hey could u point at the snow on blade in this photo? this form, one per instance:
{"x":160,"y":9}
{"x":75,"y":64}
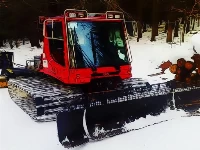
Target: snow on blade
{"x":168,"y":115}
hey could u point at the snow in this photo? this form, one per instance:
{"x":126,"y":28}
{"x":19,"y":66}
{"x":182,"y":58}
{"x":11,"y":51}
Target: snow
{"x":195,"y":42}
{"x":179,"y":134}
{"x":19,"y":132}
{"x":150,"y":120}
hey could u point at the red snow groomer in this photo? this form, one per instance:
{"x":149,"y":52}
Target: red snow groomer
{"x":83,"y":79}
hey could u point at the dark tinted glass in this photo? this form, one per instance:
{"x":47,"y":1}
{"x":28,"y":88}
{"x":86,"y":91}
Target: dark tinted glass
{"x":96,"y":44}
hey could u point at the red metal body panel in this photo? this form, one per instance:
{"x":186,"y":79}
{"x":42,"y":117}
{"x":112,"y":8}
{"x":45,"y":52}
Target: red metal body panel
{"x":77,"y":76}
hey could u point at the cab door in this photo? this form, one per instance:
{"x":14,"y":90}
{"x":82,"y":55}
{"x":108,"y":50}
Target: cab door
{"x":55,"y":49}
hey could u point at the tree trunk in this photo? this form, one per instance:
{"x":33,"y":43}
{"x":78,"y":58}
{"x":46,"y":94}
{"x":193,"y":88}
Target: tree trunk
{"x":190,"y":20}
{"x":166,"y":26}
{"x":184,"y":30}
{"x":176,"y":28}
{"x":170,"y":17}
{"x":17,"y":44}
{"x":182,"y":34}
{"x":34,"y":35}
{"x":154,"y":32}
{"x":196,"y":58}
{"x":184,"y":70}
{"x":139,"y":20}
{"x":34,"y":42}
{"x":11,"y":44}
{"x":144,"y":27}
{"x":129,"y":28}
{"x":185,"y":23}
{"x":23,"y":41}
{"x":193,"y":24}
{"x":1,"y":42}
{"x":139,"y":27}
{"x":169,"y":32}
{"x":182,"y":20}
{"x":188,"y":26}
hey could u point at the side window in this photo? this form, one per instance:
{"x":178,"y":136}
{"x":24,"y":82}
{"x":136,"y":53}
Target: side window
{"x":56,"y":42}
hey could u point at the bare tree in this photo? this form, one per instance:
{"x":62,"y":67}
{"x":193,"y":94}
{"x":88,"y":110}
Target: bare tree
{"x":82,"y":4}
{"x":114,"y":5}
{"x":187,"y":14}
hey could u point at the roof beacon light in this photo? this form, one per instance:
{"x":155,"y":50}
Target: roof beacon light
{"x":81,"y":14}
{"x":114,"y":15}
{"x":110,"y":16}
{"x":118,"y":16}
{"x":73,"y":13}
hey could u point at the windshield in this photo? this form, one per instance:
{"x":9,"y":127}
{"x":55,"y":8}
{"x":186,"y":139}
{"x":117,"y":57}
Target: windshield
{"x":96,"y":44}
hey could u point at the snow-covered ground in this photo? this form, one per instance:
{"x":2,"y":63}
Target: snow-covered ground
{"x":19,"y":132}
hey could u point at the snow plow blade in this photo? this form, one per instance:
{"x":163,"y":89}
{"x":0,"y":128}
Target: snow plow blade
{"x":106,"y":115}
{"x":109,"y":119}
